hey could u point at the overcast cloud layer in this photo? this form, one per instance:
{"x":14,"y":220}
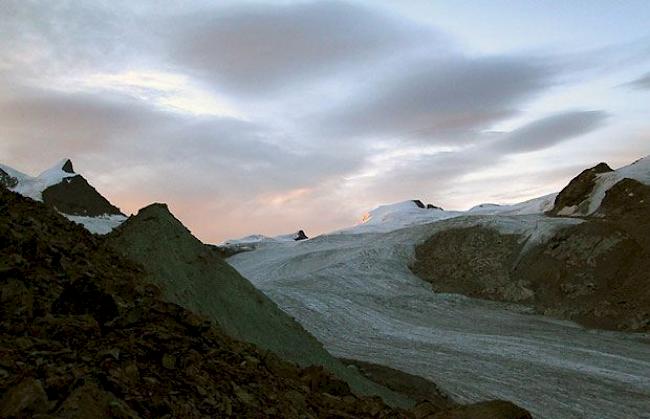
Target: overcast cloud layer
{"x":266,"y":118}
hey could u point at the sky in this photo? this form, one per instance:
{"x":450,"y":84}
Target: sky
{"x":273,"y":116}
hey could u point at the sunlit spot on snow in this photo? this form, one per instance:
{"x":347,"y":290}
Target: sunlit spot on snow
{"x":170,"y":91}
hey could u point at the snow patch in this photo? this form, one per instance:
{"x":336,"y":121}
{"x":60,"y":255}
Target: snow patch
{"x":102,"y":224}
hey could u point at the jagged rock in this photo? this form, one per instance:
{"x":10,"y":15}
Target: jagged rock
{"x":67,"y":166}
{"x":431,"y":206}
{"x":574,"y":198}
{"x":300,"y":235}
{"x":317,"y":379}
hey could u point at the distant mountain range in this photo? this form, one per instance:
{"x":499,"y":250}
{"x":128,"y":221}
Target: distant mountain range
{"x":69,"y":193}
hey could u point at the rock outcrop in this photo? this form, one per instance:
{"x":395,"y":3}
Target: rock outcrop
{"x":475,"y":261}
{"x":414,"y":386}
{"x":300,"y":235}
{"x":574,"y":198}
{"x":67,"y":166}
{"x":596,"y":272}
{"x":420,"y":204}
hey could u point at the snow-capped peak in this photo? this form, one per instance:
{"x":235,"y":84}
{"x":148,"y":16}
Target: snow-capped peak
{"x":33,"y":186}
{"x":395,"y":216}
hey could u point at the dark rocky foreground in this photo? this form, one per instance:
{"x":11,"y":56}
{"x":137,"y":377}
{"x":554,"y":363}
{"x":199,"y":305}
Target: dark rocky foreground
{"x":83,"y":334}
{"x":596,"y":273}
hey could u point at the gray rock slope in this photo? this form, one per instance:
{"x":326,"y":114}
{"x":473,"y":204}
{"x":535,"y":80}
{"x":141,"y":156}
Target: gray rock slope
{"x":194,"y":276}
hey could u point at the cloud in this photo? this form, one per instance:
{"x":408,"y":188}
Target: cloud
{"x":268,"y":117}
{"x":642,"y":83}
{"x":67,"y":122}
{"x":439,"y":101}
{"x":449,"y":177}
{"x":207,"y":153}
{"x":260,"y":49}
{"x":42,"y":39}
{"x":551,"y":130}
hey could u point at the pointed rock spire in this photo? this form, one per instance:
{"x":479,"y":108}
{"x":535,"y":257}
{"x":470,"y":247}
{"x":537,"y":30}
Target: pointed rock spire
{"x":67,"y":166}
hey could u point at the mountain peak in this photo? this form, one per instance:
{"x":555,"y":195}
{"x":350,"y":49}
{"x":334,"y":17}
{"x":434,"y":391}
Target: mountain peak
{"x":156,"y":208}
{"x":67,"y":166}
{"x":158,"y":217}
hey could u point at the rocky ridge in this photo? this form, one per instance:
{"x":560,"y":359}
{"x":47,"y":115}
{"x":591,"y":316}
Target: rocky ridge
{"x":596,"y":272}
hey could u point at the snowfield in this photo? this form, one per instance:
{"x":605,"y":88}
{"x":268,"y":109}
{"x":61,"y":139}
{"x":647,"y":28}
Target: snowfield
{"x":102,"y":224}
{"x":353,"y":290}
